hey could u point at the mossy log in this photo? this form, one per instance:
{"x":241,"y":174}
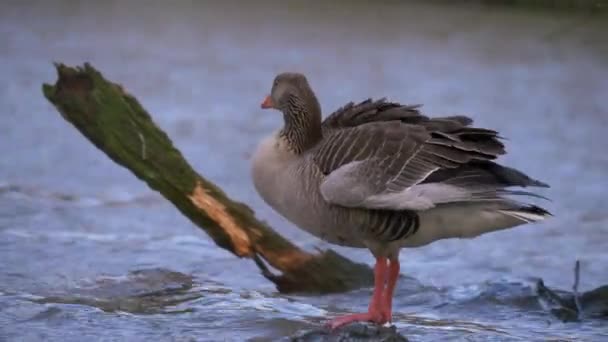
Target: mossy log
{"x":117,"y":124}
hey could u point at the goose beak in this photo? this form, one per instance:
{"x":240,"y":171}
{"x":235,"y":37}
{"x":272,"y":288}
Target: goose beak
{"x":267,"y":103}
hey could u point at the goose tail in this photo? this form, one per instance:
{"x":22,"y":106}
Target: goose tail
{"x":471,"y":219}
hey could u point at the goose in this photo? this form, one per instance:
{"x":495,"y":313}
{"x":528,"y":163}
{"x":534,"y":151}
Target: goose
{"x":380,"y":175}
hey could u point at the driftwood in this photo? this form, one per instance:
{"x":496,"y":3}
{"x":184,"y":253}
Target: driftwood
{"x":574,"y":306}
{"x":116,"y":123}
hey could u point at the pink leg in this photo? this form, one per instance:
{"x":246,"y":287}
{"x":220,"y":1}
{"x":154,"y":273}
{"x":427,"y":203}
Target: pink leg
{"x":387,"y":298}
{"x":380,"y":273}
{"x":374,"y":312}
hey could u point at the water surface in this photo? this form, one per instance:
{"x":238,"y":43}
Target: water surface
{"x":88,"y":251}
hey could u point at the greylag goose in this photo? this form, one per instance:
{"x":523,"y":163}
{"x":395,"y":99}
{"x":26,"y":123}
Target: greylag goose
{"x":382,"y":176}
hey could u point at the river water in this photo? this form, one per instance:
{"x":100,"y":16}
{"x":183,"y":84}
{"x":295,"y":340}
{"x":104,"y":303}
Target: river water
{"x":87,"y":251}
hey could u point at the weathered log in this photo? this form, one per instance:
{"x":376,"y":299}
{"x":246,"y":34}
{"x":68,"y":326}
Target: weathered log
{"x":116,"y":123}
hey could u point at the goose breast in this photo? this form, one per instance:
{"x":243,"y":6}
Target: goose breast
{"x":290,"y":183}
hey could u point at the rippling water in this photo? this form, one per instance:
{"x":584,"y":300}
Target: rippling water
{"x":88,"y":251}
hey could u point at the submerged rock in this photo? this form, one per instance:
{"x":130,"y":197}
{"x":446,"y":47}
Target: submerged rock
{"x":562,"y":304}
{"x":352,"y":332}
{"x":143,"y":291}
{"x":573,"y":306}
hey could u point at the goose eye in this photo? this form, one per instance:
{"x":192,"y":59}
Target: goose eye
{"x":275,"y":83}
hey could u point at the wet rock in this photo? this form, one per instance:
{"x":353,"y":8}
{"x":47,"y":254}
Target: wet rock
{"x":562,"y":304}
{"x":352,"y":332}
{"x":573,"y":306}
{"x":143,"y":291}
{"x":556,"y":304}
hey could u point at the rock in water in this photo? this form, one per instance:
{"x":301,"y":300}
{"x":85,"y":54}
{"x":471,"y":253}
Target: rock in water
{"x":352,"y":332}
{"x":561,"y":304}
{"x":148,"y":291}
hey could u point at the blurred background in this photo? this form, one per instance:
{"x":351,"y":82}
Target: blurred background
{"x":83,"y":243}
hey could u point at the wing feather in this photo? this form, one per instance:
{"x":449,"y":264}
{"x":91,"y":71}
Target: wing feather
{"x":382,"y":155}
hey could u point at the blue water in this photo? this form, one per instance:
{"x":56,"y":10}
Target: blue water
{"x":72,"y":221}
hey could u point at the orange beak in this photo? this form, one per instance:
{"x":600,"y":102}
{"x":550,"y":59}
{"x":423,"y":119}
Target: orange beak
{"x":267,"y":103}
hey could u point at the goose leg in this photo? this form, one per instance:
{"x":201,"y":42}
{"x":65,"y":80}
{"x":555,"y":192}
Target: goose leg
{"x":387,"y":298}
{"x":375,"y":312}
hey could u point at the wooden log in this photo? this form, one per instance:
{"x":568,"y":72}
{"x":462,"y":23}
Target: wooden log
{"x":118,"y":125}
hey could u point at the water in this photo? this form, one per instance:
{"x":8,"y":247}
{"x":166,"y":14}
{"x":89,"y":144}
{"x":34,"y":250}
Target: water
{"x":88,"y":251}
